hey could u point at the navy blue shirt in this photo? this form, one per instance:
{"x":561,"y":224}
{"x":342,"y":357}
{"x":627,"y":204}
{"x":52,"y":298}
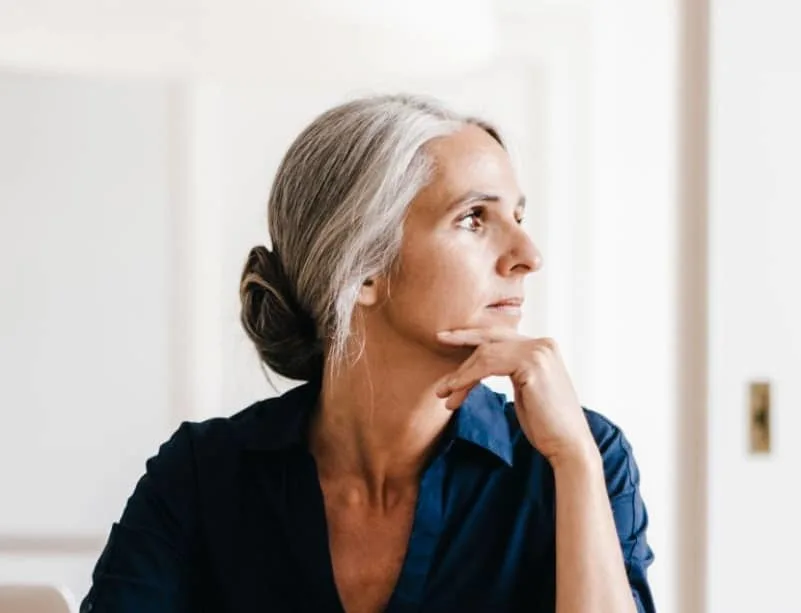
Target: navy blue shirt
{"x":230,"y":517}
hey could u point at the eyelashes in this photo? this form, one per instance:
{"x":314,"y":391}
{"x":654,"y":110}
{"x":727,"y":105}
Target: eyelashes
{"x":477,"y":216}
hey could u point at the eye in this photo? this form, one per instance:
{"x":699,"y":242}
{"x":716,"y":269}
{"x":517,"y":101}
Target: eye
{"x":472,"y":219}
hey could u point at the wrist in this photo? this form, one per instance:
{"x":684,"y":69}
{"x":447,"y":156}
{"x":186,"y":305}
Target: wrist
{"x":583,"y":458}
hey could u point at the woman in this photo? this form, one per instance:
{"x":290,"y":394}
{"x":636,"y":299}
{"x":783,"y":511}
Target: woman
{"x":393,"y":480}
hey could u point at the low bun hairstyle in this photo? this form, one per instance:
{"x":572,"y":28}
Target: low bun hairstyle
{"x":335,"y":217}
{"x":284,"y":334}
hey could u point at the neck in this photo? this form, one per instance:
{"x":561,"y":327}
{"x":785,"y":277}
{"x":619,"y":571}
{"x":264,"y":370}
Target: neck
{"x":379,"y":418}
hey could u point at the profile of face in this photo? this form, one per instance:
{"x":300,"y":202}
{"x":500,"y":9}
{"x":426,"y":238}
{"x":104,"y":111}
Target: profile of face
{"x":464,"y":249}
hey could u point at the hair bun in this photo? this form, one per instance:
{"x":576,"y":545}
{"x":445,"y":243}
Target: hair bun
{"x":284,"y":334}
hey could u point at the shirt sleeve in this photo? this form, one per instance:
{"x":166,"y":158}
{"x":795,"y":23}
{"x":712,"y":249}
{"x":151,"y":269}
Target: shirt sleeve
{"x":631,"y":517}
{"x":147,"y":563}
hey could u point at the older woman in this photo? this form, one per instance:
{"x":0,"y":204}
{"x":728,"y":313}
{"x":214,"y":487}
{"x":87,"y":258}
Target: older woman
{"x":393,"y":479}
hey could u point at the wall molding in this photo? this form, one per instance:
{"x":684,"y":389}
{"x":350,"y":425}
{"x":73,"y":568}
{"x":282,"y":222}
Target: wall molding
{"x":692,"y":440}
{"x":50,"y":545}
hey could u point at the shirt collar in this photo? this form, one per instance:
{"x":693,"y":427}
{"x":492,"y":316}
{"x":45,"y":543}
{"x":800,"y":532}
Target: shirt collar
{"x":281,"y":422}
{"x":482,"y":421}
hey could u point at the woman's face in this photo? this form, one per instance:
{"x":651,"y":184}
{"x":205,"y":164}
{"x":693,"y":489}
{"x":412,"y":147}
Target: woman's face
{"x":464,"y":249}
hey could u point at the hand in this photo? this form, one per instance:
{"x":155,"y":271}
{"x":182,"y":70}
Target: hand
{"x":545,"y":402}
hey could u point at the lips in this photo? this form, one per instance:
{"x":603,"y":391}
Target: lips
{"x":508,"y":302}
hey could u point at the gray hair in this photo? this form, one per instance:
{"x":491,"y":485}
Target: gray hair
{"x":335,"y":217}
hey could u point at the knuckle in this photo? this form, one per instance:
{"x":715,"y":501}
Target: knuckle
{"x":549,"y":343}
{"x":482,"y":359}
{"x":542,"y":351}
{"x":482,"y":351}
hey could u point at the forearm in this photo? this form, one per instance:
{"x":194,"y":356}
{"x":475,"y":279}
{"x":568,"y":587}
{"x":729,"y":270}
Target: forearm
{"x":590,"y":573}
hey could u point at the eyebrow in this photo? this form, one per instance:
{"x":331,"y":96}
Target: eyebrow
{"x":475,"y":196}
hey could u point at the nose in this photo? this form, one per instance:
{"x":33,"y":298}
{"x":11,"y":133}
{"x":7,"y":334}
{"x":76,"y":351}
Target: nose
{"x":521,"y":255}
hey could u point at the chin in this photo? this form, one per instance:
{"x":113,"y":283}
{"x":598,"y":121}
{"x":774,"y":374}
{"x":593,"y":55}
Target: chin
{"x":510,"y":316}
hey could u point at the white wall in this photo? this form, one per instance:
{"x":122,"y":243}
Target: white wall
{"x":86,"y":349}
{"x":630,"y":301}
{"x":755,"y":303}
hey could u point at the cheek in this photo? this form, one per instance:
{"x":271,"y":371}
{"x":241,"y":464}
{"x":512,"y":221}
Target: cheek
{"x":431,"y":267}
{"x":444,"y":282}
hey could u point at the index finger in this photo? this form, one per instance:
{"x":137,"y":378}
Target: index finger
{"x":478,"y":336}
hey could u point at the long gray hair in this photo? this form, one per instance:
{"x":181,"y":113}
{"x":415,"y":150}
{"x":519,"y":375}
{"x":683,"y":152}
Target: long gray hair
{"x":335,"y":217}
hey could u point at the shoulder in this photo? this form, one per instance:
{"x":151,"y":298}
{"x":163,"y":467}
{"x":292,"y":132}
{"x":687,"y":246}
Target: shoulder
{"x":607,"y":434}
{"x":196,"y":453}
{"x":217,"y":434}
{"x":269,"y":424}
{"x":620,"y":468}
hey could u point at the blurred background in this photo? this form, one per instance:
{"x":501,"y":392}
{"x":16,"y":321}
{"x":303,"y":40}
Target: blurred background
{"x":659,"y":144}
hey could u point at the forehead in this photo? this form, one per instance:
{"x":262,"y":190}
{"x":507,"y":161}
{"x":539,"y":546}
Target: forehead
{"x":467,"y":160}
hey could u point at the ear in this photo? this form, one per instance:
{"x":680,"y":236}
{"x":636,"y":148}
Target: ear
{"x":368,"y":293}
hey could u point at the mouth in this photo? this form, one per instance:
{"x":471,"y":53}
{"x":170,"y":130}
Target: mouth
{"x":508,"y":306}
{"x":511,"y":301}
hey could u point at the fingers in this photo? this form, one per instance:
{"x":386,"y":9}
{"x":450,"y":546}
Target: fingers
{"x":478,"y":336}
{"x":456,"y":399}
{"x":486,"y":361}
{"x":499,"y":352}
{"x":456,"y":396}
